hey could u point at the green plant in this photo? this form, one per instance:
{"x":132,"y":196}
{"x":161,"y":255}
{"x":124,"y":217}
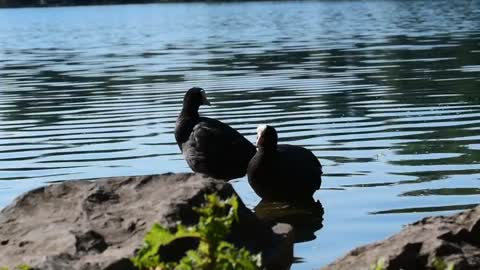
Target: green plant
{"x":440,"y":264}
{"x":18,"y":267}
{"x":437,"y":263}
{"x":216,"y":218}
{"x":379,"y":265}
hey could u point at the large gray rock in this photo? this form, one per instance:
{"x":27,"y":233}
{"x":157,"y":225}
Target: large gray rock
{"x":99,"y":224}
{"x":454,"y":239}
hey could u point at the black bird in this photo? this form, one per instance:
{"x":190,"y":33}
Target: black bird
{"x":208,"y":145}
{"x":285,"y":173}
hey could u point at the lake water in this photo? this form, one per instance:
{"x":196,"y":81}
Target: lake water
{"x":385,"y":93}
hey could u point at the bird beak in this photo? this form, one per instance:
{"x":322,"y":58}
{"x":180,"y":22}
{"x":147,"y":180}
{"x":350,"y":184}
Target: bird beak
{"x":204,"y":99}
{"x":259,"y":140}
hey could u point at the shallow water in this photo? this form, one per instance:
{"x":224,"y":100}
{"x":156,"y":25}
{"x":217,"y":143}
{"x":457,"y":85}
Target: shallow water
{"x":385,"y":93}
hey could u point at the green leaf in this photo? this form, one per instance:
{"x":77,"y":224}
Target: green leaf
{"x":440,"y":264}
{"x":158,"y":236}
{"x":379,"y":265}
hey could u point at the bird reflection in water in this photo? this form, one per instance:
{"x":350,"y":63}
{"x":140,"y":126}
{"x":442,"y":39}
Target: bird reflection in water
{"x":306,"y":218}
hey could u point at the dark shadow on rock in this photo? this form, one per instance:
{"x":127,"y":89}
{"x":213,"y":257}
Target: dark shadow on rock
{"x":121,"y":264}
{"x":177,"y":249}
{"x":306,"y":218}
{"x":90,"y":242}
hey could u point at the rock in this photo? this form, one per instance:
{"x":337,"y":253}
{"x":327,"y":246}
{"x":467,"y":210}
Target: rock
{"x":99,"y":224}
{"x":454,"y":239}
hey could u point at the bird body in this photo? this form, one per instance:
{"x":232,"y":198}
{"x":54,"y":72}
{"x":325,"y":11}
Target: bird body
{"x":283,"y":172}
{"x":208,"y":145}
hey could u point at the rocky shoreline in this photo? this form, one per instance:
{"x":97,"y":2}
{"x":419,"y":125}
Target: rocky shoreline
{"x":100,"y":224}
{"x":420,"y":245}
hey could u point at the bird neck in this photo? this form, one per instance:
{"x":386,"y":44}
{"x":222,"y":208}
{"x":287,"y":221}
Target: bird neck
{"x":190,"y":111}
{"x":187,"y":119}
{"x":266,"y":151}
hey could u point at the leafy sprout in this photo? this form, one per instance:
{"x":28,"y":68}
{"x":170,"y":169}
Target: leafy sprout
{"x":216,"y":218}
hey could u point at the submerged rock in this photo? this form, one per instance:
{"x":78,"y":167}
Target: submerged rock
{"x":99,"y":224}
{"x":454,"y":239}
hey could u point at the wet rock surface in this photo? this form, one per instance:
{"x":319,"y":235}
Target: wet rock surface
{"x":99,"y":224}
{"x":453,"y":239}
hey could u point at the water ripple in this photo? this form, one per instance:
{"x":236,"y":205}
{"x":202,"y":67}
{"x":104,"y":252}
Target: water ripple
{"x":384,"y":93}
